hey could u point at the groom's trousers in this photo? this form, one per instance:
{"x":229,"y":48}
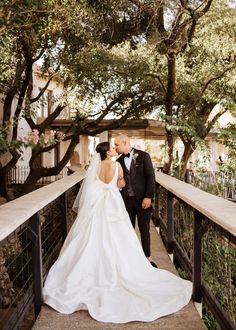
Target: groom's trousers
{"x":134,"y":209}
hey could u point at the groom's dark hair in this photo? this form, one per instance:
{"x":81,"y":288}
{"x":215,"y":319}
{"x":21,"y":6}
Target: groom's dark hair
{"x":102,"y":149}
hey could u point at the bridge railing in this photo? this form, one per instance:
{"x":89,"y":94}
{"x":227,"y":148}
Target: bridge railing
{"x":216,"y":182}
{"x":199,"y":229}
{"x":32,"y":230}
{"x":18,"y":174}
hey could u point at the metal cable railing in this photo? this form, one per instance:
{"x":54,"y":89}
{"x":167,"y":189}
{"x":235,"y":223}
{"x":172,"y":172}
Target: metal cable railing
{"x":33,"y":228}
{"x":200,"y":230}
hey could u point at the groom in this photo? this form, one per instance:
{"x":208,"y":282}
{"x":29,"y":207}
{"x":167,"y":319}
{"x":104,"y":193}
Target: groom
{"x":139,"y":190}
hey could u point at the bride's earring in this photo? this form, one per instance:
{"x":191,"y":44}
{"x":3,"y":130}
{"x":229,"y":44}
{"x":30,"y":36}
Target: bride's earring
{"x":108,"y":155}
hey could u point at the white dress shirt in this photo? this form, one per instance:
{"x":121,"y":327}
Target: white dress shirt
{"x":128,"y":160}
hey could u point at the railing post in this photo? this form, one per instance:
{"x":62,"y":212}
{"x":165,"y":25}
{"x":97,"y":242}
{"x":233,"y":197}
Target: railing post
{"x":63,"y":199}
{"x":37,"y":262}
{"x":170,"y":223}
{"x":187,"y":176}
{"x":197,"y":257}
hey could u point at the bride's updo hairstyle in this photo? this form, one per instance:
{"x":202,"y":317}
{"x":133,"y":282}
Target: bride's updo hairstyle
{"x":102,"y":148}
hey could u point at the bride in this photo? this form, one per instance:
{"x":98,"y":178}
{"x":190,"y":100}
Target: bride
{"x":102,"y":267}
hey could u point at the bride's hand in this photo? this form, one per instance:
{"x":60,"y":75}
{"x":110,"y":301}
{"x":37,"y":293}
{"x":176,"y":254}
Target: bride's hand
{"x":121,"y":182}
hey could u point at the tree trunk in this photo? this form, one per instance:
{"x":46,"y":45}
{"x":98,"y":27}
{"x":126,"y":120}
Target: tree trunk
{"x":169,"y":151}
{"x":3,"y":185}
{"x":170,"y":93}
{"x":30,"y":183}
{"x":188,"y":150}
{"x":7,"y":107}
{"x":37,"y":171}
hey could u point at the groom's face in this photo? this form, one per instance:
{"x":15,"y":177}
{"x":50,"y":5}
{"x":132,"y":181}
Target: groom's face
{"x":119,"y":146}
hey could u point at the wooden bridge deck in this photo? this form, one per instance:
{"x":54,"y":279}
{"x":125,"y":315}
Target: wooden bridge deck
{"x":186,"y":319}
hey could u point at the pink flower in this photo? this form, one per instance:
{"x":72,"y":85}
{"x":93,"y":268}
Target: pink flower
{"x":35,"y":132}
{"x":49,"y":137}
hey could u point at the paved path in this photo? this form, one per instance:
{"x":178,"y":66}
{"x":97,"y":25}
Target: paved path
{"x":185,"y":319}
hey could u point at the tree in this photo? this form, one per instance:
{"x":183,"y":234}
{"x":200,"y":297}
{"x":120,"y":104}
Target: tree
{"x":66,"y":46}
{"x":205,"y":79}
{"x":153,"y":69}
{"x":12,"y":14}
{"x":34,"y":37}
{"x":197,"y":42}
{"x":104,"y":92}
{"x":171,"y":26}
{"x":16,"y":64}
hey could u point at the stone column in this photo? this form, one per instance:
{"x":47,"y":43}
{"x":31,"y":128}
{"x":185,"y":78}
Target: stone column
{"x":83,"y":150}
{"x":103,"y":137}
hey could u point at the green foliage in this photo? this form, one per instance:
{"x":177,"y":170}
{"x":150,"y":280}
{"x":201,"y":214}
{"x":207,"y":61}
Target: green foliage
{"x":111,"y":58}
{"x":205,"y":76}
{"x":182,"y":273}
{"x":219,"y":270}
{"x":121,"y":78}
{"x":6,"y":146}
{"x":227,"y":136}
{"x":209,"y":319}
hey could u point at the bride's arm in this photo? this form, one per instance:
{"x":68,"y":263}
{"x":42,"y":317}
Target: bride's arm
{"x":121,"y":181}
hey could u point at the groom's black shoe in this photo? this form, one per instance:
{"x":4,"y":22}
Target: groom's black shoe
{"x":153,"y":264}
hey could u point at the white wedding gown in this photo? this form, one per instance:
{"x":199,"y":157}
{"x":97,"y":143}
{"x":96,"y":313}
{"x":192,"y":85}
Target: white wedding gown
{"x":102,"y":267}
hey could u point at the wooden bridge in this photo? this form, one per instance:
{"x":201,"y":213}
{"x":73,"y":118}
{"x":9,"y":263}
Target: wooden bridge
{"x":194,"y":226}
{"x":187,"y":318}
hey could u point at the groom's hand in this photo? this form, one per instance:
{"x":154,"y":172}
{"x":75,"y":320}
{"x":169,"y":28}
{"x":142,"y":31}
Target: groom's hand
{"x":146,"y":203}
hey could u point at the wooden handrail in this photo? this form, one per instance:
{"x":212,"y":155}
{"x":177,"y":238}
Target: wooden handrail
{"x":218,"y":209}
{"x":16,"y":212}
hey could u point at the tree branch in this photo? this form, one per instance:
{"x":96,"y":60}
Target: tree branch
{"x":211,"y":123}
{"x":214,"y":79}
{"x":12,"y":162}
{"x":205,"y":9}
{"x":22,"y":94}
{"x":158,"y":78}
{"x":114,"y":124}
{"x":35,"y":99}
{"x":48,"y":121}
{"x":62,"y":163}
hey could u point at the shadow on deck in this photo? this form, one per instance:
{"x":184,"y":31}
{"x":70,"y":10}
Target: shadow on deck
{"x":186,"y":319}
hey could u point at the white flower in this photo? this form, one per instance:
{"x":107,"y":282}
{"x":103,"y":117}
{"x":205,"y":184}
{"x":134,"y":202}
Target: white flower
{"x":134,"y":157}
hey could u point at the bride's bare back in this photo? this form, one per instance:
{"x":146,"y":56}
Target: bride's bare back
{"x":107,"y":172}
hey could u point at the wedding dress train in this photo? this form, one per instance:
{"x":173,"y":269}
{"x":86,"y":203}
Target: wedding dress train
{"x":102,"y":267}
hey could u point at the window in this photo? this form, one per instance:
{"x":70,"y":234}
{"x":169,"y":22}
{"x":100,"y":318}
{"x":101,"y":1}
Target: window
{"x":44,"y":104}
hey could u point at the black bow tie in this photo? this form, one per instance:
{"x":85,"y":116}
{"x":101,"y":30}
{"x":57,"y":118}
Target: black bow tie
{"x":128,"y":154}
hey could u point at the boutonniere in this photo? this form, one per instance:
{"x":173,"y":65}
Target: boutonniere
{"x":134,"y":157}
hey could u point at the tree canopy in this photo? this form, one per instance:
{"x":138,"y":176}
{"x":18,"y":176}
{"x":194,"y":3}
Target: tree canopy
{"x":123,"y":59}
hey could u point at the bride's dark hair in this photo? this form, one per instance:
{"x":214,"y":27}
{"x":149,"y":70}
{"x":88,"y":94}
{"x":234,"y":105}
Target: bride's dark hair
{"x":102,"y":149}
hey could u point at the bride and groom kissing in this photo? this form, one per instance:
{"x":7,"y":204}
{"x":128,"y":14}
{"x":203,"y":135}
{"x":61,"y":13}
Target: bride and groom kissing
{"x":102,"y":267}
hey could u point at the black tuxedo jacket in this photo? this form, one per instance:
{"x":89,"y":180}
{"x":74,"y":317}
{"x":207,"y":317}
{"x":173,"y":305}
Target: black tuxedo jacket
{"x":141,"y":175}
